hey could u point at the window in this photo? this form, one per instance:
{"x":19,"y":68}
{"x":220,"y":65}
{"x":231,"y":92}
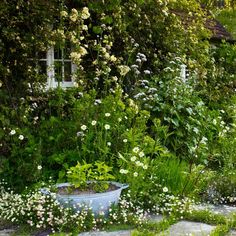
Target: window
{"x":57,"y":66}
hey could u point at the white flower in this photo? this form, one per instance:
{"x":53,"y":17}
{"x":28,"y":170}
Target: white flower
{"x":138,"y":163}
{"x":107,"y":114}
{"x":85,"y":27}
{"x":74,"y":15}
{"x":125,"y":140}
{"x":12,"y":132}
{"x":147,"y":72}
{"x":85,"y":13}
{"x":39,"y":167}
{"x":83,"y":127}
{"x":113,"y":58}
{"x":204,"y":140}
{"x":122,"y":171}
{"x":107,"y":126}
{"x":82,"y":51}
{"x":133,"y":158}
{"x":114,"y":78}
{"x":97,"y":101}
{"x":135,"y":174}
{"x":165,"y":189}
{"x":119,"y":119}
{"x":195,"y":130}
{"x":80,"y":134}
{"x":145,"y":167}
{"x":63,"y":13}
{"x":108,"y":143}
{"x":141,"y":154}
{"x":136,"y":149}
{"x":21,"y":137}
{"x":75,"y":56}
{"x":94,"y":122}
{"x":123,"y":70}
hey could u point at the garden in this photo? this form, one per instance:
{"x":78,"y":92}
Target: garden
{"x":95,"y":93}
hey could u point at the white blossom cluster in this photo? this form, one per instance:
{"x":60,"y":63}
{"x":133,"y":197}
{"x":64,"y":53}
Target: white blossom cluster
{"x":39,"y":211}
{"x":128,"y":212}
{"x":171,"y":204}
{"x":43,"y":211}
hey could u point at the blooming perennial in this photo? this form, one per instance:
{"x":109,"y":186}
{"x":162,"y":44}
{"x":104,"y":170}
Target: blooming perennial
{"x":107,"y":126}
{"x":44,"y":211}
{"x":12,"y":132}
{"x":83,"y":127}
{"x":21,"y":137}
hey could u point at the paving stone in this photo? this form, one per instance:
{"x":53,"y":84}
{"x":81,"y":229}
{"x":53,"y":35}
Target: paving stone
{"x":155,"y":218}
{"x":6,"y":232}
{"x":104,"y":233}
{"x":184,"y":228}
{"x":232,"y":233}
{"x":217,"y":209}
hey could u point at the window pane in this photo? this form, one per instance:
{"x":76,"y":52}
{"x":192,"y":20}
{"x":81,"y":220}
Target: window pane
{"x":62,"y":52}
{"x":58,"y":70}
{"x":57,"y":52}
{"x":67,"y":51}
{"x":42,"y":67}
{"x":42,"y":55}
{"x":67,"y":71}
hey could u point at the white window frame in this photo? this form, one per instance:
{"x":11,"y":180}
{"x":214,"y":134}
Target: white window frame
{"x":51,"y":80}
{"x":183,"y":72}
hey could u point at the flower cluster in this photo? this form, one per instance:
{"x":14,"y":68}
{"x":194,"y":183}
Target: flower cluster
{"x":13,"y":132}
{"x":40,"y":211}
{"x":168,"y":203}
{"x":44,"y":211}
{"x":127,"y":212}
{"x":136,"y":164}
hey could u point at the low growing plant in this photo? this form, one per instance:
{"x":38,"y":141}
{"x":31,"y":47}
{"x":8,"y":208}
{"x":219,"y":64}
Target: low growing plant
{"x":98,"y":173}
{"x":40,"y":211}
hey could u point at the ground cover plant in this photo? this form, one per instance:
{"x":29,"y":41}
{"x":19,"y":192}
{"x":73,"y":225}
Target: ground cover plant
{"x":168,"y":136}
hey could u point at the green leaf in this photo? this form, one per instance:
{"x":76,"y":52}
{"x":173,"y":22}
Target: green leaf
{"x":122,"y":157}
{"x":108,"y":20}
{"x":97,"y":29}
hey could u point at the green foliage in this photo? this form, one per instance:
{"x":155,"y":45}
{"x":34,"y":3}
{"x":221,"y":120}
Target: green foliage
{"x":220,"y":188}
{"x":110,"y":30}
{"x":206,"y":217}
{"x":129,"y":94}
{"x":79,"y":175}
{"x":25,"y":28}
{"x":153,"y":228}
{"x":227,"y":18}
{"x":189,"y":121}
{"x":20,"y":150}
{"x":220,"y":230}
{"x":36,"y":211}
